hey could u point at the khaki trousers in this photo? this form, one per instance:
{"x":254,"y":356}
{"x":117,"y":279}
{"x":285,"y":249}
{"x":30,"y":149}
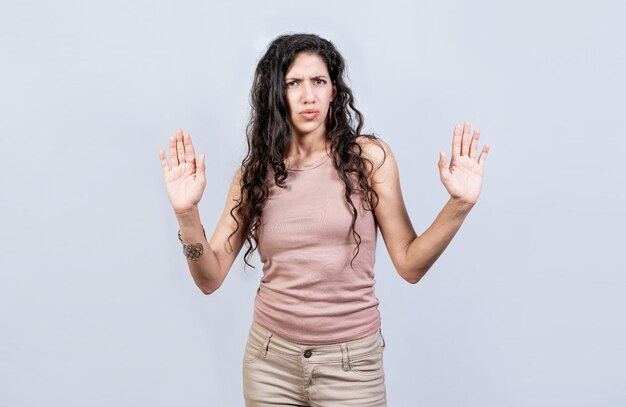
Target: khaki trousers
{"x":277,"y":372}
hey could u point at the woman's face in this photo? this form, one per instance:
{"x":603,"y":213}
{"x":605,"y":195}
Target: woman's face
{"x":309,"y":93}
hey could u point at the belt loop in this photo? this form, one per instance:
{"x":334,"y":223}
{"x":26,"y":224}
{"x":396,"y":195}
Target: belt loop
{"x":380,"y":331}
{"x":266,"y":345}
{"x":345,"y":362}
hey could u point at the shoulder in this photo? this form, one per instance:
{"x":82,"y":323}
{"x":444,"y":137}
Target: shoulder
{"x":236,"y":185}
{"x":378,"y":154}
{"x":237,"y":177}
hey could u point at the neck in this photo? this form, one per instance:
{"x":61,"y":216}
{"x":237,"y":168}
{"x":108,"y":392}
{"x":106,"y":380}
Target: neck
{"x":308,"y":145}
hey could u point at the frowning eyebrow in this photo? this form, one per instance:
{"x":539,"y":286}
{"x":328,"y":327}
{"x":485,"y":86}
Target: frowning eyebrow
{"x":313,"y":77}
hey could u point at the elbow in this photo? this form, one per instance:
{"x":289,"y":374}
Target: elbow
{"x":411,"y":276}
{"x":413,"y":280}
{"x":208,"y":290}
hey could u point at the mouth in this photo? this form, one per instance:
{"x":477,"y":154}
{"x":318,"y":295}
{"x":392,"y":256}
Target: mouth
{"x":309,"y":114}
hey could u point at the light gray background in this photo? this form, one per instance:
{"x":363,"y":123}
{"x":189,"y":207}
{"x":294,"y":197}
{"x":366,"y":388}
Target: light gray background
{"x":525,"y":307}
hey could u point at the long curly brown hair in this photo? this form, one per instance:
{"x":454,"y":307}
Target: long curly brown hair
{"x":269,"y":133}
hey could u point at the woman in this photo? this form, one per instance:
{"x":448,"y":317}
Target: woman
{"x":310,"y":195}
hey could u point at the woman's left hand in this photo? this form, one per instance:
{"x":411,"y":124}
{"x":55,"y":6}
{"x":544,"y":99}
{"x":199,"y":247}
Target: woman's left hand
{"x":464,"y":177}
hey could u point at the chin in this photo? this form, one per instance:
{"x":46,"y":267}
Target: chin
{"x":308,"y":129}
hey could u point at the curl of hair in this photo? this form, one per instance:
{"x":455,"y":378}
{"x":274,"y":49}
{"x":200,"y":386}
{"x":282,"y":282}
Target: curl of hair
{"x":269,"y":133}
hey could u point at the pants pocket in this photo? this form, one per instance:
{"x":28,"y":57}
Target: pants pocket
{"x":257,"y":345}
{"x":369,"y":365}
{"x":252,"y":352}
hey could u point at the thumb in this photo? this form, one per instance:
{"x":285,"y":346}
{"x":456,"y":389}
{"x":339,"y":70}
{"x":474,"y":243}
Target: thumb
{"x":444,"y":171}
{"x":442,"y":160}
{"x":200,"y":169}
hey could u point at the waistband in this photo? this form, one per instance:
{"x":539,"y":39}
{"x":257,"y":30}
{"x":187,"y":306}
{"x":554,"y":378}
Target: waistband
{"x":265,"y":340}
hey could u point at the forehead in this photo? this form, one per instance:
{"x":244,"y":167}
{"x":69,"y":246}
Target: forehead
{"x":307,"y":64}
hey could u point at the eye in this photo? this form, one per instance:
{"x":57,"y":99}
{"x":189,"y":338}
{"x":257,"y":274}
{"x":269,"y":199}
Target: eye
{"x":320,"y":81}
{"x":291,"y":83}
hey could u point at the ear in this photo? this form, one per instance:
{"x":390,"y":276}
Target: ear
{"x":334,"y":92}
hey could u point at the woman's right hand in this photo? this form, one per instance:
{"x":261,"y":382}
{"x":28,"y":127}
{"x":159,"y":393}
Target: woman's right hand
{"x":185,"y":180}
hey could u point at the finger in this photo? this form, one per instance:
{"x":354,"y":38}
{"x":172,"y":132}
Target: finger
{"x":465,"y":141}
{"x":483,"y":154}
{"x":190,"y":154}
{"x":474,"y":145}
{"x":173,"y":156}
{"x":164,"y":165}
{"x":180,"y":149}
{"x":456,"y":141}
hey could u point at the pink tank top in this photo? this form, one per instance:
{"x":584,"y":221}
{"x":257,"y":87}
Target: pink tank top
{"x":309,"y":294}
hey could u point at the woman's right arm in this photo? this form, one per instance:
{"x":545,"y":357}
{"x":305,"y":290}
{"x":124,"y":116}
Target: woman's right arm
{"x":185,"y":182}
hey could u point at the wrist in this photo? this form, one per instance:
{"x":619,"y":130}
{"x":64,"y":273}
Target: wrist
{"x":460,"y":206}
{"x":188,"y":217}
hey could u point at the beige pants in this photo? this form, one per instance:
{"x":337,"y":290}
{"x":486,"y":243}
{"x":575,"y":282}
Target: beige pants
{"x":277,"y":372}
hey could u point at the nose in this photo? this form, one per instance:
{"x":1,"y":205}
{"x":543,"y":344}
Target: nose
{"x":307,"y":92}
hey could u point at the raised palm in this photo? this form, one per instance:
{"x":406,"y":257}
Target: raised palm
{"x":185,"y":179}
{"x":463,"y":178}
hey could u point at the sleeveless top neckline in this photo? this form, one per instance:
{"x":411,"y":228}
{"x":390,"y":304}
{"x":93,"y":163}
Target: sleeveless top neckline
{"x":319,"y":162}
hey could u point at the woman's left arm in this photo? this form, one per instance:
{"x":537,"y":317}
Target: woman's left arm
{"x":413,"y":255}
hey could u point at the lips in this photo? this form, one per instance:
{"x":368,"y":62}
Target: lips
{"x":309,"y":114}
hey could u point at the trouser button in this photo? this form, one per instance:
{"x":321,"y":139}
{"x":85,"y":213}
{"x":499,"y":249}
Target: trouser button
{"x":308,"y":353}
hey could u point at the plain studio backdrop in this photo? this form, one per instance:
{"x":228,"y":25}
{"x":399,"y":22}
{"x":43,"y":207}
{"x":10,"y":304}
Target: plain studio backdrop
{"x":524,"y":308}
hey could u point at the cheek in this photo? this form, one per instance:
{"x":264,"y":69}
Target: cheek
{"x":329,"y":95}
{"x":291,"y":102}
